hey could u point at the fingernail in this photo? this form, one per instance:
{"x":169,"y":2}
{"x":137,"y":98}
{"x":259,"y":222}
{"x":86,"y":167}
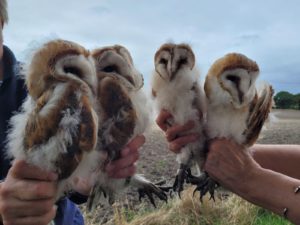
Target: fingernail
{"x":172,"y":147}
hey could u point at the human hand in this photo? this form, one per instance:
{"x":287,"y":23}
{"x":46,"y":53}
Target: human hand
{"x":118,"y":169}
{"x":229,"y":163}
{"x":125,"y":166}
{"x":27,"y":195}
{"x":174,"y":133}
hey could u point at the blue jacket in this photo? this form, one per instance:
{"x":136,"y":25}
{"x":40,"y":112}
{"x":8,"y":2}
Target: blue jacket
{"x":12,"y":94}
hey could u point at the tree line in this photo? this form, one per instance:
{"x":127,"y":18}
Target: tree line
{"x":286,"y":100}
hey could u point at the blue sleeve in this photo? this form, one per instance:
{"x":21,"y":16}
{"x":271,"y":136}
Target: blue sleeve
{"x":68,"y":213}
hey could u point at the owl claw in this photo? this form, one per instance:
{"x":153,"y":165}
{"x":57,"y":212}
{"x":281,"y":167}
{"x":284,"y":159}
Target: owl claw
{"x":150,"y":189}
{"x":205,"y":184}
{"x":96,"y":194}
{"x":181,"y":178}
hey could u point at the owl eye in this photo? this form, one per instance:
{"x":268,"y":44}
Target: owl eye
{"x":233,"y":78}
{"x":163,"y":61}
{"x":73,"y":70}
{"x":182,"y":61}
{"x":110,"y":69}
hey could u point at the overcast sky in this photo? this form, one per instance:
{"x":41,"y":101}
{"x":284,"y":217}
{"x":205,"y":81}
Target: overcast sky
{"x":268,"y":31}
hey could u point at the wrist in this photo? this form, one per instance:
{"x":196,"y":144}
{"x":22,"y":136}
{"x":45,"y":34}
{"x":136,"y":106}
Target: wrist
{"x":249,"y":182}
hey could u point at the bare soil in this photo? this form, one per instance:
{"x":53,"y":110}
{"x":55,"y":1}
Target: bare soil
{"x":157,"y":163}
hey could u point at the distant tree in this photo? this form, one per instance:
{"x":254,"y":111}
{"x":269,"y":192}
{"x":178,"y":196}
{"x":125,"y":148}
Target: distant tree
{"x":285,"y":100}
{"x":297,"y":100}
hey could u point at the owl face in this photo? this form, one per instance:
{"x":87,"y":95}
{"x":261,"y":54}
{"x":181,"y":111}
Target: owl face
{"x":116,"y":61}
{"x":60,"y":61}
{"x":170,"y":59}
{"x":231,"y":80}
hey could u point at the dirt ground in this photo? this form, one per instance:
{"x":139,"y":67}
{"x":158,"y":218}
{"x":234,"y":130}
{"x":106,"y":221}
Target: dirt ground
{"x":157,"y":163}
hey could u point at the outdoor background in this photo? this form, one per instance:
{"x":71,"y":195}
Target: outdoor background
{"x":266,"y":31}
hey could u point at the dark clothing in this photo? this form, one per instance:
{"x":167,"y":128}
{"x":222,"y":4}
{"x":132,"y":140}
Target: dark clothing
{"x":12,"y":94}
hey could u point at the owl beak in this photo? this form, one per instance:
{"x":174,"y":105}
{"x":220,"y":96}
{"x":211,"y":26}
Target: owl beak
{"x":130,"y":80}
{"x":173,"y":75}
{"x":241,"y":96}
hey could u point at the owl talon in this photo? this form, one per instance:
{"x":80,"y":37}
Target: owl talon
{"x":205,"y":184}
{"x":150,"y":189}
{"x":181,"y":178}
{"x":191,"y":179}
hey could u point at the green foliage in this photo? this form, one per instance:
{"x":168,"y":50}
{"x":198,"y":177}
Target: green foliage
{"x":264,"y":217}
{"x":286,"y":100}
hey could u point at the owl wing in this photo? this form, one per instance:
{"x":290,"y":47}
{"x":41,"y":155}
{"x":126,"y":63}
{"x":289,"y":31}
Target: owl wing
{"x":199,"y":101}
{"x":63,"y":118}
{"x":118,"y":119}
{"x":258,"y":114}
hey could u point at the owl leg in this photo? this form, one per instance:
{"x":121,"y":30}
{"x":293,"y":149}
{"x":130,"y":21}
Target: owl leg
{"x":204,"y":183}
{"x":147,"y":188}
{"x":181,"y":177}
{"x":95,"y":196}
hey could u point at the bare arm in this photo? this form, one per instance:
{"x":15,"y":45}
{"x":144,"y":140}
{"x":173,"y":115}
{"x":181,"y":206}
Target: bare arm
{"x":235,"y":169}
{"x":283,"y":159}
{"x":268,"y":178}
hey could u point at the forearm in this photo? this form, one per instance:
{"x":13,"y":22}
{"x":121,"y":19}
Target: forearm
{"x":280,"y":158}
{"x":273,"y":191}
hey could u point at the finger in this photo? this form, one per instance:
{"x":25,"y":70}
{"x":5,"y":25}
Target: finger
{"x":124,"y":173}
{"x":137,"y":142}
{"x":176,"y":145}
{"x":23,"y":170}
{"x":122,"y":163}
{"x":162,"y":118}
{"x":15,"y":208}
{"x":29,"y":220}
{"x":29,"y":190}
{"x":173,"y":131}
{"x":126,"y":151}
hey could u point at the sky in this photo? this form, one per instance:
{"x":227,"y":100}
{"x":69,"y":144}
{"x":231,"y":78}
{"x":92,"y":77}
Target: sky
{"x":267,"y":31}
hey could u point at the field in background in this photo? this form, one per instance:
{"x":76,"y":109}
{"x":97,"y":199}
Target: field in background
{"x":157,"y":163}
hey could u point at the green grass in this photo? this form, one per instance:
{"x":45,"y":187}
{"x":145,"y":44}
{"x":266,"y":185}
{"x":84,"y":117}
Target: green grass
{"x":264,"y":217}
{"x":189,"y":211}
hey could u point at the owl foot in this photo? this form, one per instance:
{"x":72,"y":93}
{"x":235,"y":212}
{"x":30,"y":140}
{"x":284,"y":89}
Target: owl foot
{"x":95,"y":196}
{"x":148,"y":189}
{"x":205,"y":184}
{"x":181,"y":177}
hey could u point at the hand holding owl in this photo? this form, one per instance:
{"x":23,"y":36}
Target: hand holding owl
{"x":175,"y":141}
{"x":230,"y":164}
{"x":34,"y":204}
{"x":233,"y":109}
{"x":118,"y":169}
{"x":83,"y":108}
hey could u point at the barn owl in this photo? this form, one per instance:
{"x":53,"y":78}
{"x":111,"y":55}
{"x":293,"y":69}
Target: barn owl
{"x":236,"y":109}
{"x":57,"y":127}
{"x":175,"y":88}
{"x":123,"y":114}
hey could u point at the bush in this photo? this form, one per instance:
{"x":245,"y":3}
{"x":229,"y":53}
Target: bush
{"x":286,"y":100}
